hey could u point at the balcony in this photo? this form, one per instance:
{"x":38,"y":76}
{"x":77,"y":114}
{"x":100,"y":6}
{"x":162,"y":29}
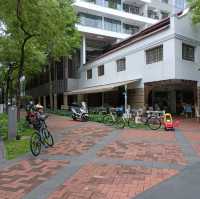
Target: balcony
{"x":127,"y":12}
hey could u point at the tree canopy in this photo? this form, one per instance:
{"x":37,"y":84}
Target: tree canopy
{"x":195,"y":8}
{"x":32,"y":30}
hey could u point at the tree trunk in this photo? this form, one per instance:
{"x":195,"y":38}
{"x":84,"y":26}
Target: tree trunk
{"x":50,"y":83}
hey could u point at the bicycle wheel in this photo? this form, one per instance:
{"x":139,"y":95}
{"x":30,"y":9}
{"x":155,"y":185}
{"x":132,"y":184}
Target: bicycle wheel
{"x":48,"y":138}
{"x":154,"y":123}
{"x":108,"y":120}
{"x":119,"y":123}
{"x":131,"y":123}
{"x":35,"y":144}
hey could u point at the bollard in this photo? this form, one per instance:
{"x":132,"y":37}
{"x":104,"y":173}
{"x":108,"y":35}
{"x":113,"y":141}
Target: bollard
{"x":12,"y":122}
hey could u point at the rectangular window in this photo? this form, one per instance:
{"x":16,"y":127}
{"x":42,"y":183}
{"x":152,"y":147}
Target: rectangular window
{"x":115,"y":4}
{"x":121,"y":65}
{"x":164,"y":14}
{"x":89,"y":74}
{"x":101,"y":70}
{"x":90,"y":20}
{"x":152,"y":14}
{"x":112,"y":25}
{"x":154,"y":55}
{"x":130,"y":29}
{"x":188,"y":52}
{"x":164,"y":1}
{"x":131,"y":9}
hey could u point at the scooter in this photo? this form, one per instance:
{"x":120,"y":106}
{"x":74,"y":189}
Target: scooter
{"x":80,"y":113}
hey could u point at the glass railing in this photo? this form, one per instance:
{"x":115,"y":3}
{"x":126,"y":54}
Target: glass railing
{"x":124,"y":7}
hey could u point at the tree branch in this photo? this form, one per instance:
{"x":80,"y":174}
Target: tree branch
{"x":18,"y":13}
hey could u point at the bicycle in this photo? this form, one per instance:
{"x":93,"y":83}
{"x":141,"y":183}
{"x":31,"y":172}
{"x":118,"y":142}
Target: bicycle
{"x":114,"y":119}
{"x":40,"y":137}
{"x":97,"y":115}
{"x":153,"y":121}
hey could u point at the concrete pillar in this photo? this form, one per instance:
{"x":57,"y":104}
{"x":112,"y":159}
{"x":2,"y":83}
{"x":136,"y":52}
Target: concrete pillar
{"x":102,"y":99}
{"x":145,"y":10}
{"x":44,"y":102}
{"x":198,"y":98}
{"x":80,"y":98}
{"x":55,"y":101}
{"x":172,"y":100}
{"x":125,"y":97}
{"x":39,"y":100}
{"x":83,"y":51}
{"x":65,"y":100}
{"x":136,"y":97}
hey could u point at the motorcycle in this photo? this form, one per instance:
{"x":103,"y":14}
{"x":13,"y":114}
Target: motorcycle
{"x":80,"y":113}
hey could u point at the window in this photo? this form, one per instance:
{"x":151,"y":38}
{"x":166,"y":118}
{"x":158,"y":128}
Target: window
{"x":101,"y":70}
{"x":121,"y":65}
{"x":164,"y":1}
{"x":152,"y":14}
{"x":188,"y":52}
{"x":164,"y":14}
{"x":154,"y":55}
{"x":130,"y":29}
{"x":131,"y":9}
{"x":89,"y":74}
{"x":90,"y":20}
{"x":116,"y":4}
{"x":112,"y":25}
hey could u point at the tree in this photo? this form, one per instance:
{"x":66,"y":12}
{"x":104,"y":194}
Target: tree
{"x":36,"y":29}
{"x":195,"y":9}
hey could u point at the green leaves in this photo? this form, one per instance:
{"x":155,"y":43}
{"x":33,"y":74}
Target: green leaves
{"x":195,"y":5}
{"x":51,"y":25}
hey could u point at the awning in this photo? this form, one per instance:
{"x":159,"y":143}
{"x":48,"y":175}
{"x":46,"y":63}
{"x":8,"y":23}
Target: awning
{"x":99,"y":89}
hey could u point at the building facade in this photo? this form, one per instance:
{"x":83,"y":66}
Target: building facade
{"x":105,"y":25}
{"x":159,"y":65}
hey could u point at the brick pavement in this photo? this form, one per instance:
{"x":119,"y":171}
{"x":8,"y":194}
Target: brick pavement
{"x":19,"y":179}
{"x":79,"y":140}
{"x":76,"y":167}
{"x":167,"y":153}
{"x":111,"y":182}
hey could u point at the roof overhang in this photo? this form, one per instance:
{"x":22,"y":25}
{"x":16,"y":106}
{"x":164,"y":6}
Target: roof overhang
{"x":101,"y":88}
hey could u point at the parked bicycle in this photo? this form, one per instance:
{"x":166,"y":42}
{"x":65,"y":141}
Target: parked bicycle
{"x":114,"y":119}
{"x":41,"y":136}
{"x":153,"y":121}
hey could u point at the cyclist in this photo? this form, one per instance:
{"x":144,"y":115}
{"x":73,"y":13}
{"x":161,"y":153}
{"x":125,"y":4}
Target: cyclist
{"x":40,"y":117}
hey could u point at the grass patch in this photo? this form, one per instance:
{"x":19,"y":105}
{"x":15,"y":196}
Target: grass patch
{"x":15,"y":148}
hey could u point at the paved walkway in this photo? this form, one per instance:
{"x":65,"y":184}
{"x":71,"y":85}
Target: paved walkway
{"x":92,"y":161}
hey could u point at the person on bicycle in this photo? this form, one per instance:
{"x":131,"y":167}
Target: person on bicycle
{"x":39,"y":110}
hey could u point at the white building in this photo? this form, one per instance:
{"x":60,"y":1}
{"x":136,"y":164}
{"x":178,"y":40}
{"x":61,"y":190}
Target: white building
{"x":106,"y":26}
{"x":160,"y":64}
{"x":105,"y":22}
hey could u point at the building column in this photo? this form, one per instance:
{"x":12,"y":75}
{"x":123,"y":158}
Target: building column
{"x":44,"y":102}
{"x":125,"y":97}
{"x":102,"y":99}
{"x":145,"y":10}
{"x":172,"y":100}
{"x":136,"y":97}
{"x":65,"y":100}
{"x":55,"y":101}
{"x":198,"y":98}
{"x":80,"y":98}
{"x":83,"y":51}
{"x":39,"y":101}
